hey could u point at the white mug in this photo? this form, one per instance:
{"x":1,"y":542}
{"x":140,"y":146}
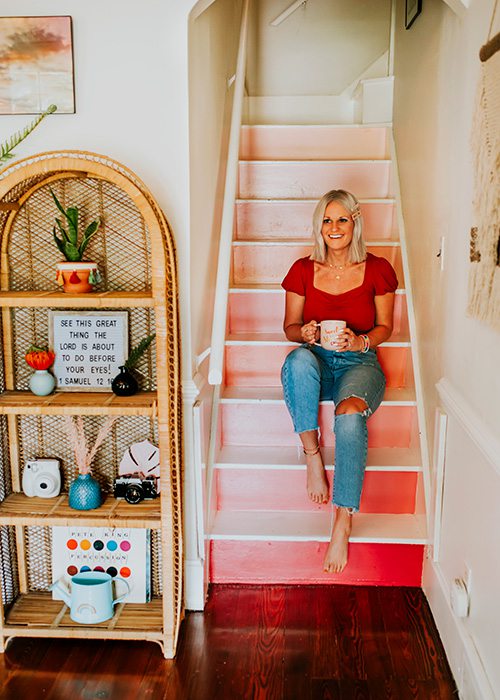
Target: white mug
{"x":329,"y":333}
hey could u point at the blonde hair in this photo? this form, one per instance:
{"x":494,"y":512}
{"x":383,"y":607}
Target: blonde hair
{"x":357,"y":249}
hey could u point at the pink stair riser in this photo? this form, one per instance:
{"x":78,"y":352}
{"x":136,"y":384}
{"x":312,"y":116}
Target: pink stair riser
{"x":260,"y":365}
{"x":271,"y":425}
{"x":328,"y":142}
{"x":293,"y":219}
{"x":262,"y":312}
{"x":282,"y":489}
{"x":302,"y":563}
{"x":270,"y":180}
{"x":268,"y":264}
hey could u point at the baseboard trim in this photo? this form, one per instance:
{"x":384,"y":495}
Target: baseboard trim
{"x":465,"y":663}
{"x":194,"y":587}
{"x":483,"y":437}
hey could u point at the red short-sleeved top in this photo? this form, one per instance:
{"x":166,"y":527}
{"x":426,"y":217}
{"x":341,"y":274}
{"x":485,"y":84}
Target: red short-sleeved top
{"x":356,"y":307}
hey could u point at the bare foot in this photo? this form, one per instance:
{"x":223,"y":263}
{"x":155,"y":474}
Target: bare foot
{"x":336,"y":553}
{"x":317,"y":485}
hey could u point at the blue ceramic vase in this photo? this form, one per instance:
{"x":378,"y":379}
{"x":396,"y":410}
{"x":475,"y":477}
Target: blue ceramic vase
{"x":42,"y":382}
{"x":85,"y":493}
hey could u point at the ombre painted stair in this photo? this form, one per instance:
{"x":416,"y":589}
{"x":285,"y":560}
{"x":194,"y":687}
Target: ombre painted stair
{"x":264,"y":528}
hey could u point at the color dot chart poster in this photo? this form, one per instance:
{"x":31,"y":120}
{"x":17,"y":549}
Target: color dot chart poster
{"x":120,"y":552}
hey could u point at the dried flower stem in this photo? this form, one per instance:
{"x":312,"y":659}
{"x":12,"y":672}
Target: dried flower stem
{"x":78,"y":441}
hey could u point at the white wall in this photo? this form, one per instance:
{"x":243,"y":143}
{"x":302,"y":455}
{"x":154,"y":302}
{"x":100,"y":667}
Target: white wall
{"x":131,"y":92}
{"x":303,"y":71}
{"x":131,"y":85}
{"x":436,"y":72}
{"x":319,"y":49}
{"x":213,"y":45}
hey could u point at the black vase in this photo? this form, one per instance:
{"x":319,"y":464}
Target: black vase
{"x":124,"y":384}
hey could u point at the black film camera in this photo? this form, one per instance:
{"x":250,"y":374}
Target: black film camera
{"x":135,"y":487}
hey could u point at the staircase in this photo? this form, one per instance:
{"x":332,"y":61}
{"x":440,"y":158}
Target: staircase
{"x":265,"y":529}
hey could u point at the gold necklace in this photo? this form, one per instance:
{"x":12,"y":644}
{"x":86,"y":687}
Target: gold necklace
{"x":338,"y":267}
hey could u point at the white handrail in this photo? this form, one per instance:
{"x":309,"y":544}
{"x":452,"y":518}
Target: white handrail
{"x":227,"y":222}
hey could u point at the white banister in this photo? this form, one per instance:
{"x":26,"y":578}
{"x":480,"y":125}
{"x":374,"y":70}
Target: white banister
{"x":227,"y":222}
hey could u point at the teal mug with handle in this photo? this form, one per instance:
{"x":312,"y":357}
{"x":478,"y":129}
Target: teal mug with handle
{"x":91,"y":598}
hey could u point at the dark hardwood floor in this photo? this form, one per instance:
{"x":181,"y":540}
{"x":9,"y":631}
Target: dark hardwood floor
{"x":256,"y":643}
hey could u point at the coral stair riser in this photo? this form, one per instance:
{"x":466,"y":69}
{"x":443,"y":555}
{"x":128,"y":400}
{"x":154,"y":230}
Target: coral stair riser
{"x":270,"y":425}
{"x":268,"y":263}
{"x":260,"y":310}
{"x":260,"y":365}
{"x":260,"y":489}
{"x":322,"y":142}
{"x":301,"y":563}
{"x":291,"y":218}
{"x":296,"y":179}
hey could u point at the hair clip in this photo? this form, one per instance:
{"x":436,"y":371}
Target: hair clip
{"x":355,"y":214}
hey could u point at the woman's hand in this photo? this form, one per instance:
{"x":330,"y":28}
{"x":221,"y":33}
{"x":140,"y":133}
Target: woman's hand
{"x":310,"y":332}
{"x":349,"y":341}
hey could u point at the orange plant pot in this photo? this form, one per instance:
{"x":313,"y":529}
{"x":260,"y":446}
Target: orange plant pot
{"x":74,"y":276}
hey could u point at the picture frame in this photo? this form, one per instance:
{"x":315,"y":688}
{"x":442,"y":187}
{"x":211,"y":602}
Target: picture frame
{"x":412,"y":10}
{"x":36,"y":65}
{"x":90,"y":347}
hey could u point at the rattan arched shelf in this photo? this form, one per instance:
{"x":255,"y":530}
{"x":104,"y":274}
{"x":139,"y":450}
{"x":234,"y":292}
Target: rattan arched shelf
{"x":137,"y":254}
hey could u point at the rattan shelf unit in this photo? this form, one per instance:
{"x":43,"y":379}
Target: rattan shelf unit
{"x":18,"y":509}
{"x":136,"y":253}
{"x":60,"y":300}
{"x":24,"y":403}
{"x":37,"y":615}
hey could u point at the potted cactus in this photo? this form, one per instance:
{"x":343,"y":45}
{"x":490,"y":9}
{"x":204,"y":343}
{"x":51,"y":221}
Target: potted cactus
{"x":76,"y":275}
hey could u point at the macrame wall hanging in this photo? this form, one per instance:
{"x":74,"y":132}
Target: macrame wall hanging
{"x":484,"y":275}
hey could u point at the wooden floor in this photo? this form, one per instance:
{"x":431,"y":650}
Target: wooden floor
{"x":254,"y":642}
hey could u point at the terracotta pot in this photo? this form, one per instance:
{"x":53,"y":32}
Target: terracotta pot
{"x":74,"y":276}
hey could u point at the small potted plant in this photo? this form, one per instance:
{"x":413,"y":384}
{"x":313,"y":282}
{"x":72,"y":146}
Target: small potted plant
{"x":84,"y":491}
{"x":77,"y":276}
{"x":125,"y":384}
{"x":42,"y":382}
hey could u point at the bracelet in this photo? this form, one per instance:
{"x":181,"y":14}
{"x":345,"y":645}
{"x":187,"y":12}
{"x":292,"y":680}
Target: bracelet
{"x":366,"y":343}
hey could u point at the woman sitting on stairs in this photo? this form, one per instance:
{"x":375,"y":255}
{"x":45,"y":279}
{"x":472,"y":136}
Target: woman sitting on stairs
{"x":339,"y":281}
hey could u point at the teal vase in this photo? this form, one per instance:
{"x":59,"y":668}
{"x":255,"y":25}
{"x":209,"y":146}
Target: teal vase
{"x":85,"y":493}
{"x":42,"y":382}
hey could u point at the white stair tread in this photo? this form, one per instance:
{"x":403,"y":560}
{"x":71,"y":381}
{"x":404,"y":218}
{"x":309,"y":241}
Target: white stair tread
{"x":312,"y":127}
{"x":269,"y":394}
{"x":281,"y":200}
{"x":276,"y":458}
{"x":301,"y":161}
{"x":273,"y":288}
{"x":300,"y":526}
{"x":295,"y":242}
{"x":396,"y":340}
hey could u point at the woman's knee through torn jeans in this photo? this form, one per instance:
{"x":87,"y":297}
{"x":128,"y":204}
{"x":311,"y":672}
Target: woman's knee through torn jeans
{"x":311,"y":374}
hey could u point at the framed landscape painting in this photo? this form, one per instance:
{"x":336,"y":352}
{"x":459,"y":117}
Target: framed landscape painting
{"x":36,"y":65}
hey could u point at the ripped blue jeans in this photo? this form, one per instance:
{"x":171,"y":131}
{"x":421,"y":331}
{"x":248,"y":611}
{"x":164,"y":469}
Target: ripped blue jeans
{"x":311,"y":374}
